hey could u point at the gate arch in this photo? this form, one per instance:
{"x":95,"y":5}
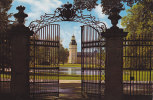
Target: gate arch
{"x":67,"y":13}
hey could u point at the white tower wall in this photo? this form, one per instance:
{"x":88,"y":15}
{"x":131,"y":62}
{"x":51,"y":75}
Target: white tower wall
{"x":72,"y":51}
{"x":73,"y":54}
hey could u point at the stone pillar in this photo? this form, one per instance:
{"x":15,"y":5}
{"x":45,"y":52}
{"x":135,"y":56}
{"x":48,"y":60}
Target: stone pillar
{"x":20,"y":54}
{"x":114,"y":60}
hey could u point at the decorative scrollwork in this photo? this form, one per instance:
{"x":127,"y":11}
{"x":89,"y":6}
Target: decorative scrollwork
{"x":67,"y":12}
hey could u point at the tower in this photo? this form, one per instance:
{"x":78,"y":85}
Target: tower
{"x":73,"y":51}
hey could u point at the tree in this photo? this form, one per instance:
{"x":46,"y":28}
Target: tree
{"x":63,"y":53}
{"x":46,"y":55}
{"x":4,"y":16}
{"x":107,"y":5}
{"x":4,"y":41}
{"x":139,"y":24}
{"x":138,"y":21}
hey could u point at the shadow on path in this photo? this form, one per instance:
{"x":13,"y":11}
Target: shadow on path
{"x":70,"y":91}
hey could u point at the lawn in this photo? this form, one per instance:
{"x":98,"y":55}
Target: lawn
{"x":138,"y":76}
{"x":60,"y":65}
{"x":79,"y":65}
{"x":70,"y":65}
{"x":78,"y":77}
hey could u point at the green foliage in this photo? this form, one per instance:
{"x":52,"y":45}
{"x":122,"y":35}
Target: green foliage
{"x":63,"y":53}
{"x":4,"y":7}
{"x":70,"y":77}
{"x":70,"y":65}
{"x":138,"y":21}
{"x":139,"y":24}
{"x":47,"y":55}
{"x":5,"y":53}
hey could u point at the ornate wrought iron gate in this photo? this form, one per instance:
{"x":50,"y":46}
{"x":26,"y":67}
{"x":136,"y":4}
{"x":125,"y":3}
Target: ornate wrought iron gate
{"x":5,"y":63}
{"x":93,"y":51}
{"x":44,"y":62}
{"x":92,"y":62}
{"x":137,"y":66}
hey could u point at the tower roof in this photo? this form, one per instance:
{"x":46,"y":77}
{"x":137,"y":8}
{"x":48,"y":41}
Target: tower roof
{"x":73,"y":41}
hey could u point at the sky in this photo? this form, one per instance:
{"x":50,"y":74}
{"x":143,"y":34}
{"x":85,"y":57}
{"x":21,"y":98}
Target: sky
{"x":36,"y":8}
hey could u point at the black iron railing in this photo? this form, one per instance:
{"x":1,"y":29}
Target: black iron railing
{"x":92,"y":62}
{"x":5,"y":63}
{"x":44,"y":62}
{"x":138,"y":65}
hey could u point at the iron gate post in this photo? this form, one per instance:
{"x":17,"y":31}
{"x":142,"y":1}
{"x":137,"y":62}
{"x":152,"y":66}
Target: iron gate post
{"x":20,"y":55}
{"x":114,"y":59}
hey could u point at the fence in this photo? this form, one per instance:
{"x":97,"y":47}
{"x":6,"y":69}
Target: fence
{"x":138,"y":65}
{"x":44,"y":62}
{"x":5,"y":63}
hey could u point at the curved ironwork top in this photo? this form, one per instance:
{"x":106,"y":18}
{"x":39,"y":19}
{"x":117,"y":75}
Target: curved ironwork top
{"x":67,"y":12}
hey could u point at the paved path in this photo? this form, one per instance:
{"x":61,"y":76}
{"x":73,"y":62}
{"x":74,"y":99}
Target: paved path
{"x":70,"y":91}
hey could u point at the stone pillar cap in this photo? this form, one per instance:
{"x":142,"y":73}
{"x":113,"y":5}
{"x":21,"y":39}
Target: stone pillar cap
{"x":114,"y":32}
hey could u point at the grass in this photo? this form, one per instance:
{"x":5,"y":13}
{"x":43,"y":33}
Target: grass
{"x":70,"y":65}
{"x":60,"y":65}
{"x":96,"y":77}
{"x":79,"y":65}
{"x":138,"y":75}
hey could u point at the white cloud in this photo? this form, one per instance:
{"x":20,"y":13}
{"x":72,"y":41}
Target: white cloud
{"x":98,"y":11}
{"x":39,"y":7}
{"x":119,"y":25}
{"x":107,"y":25}
{"x":102,"y":17}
